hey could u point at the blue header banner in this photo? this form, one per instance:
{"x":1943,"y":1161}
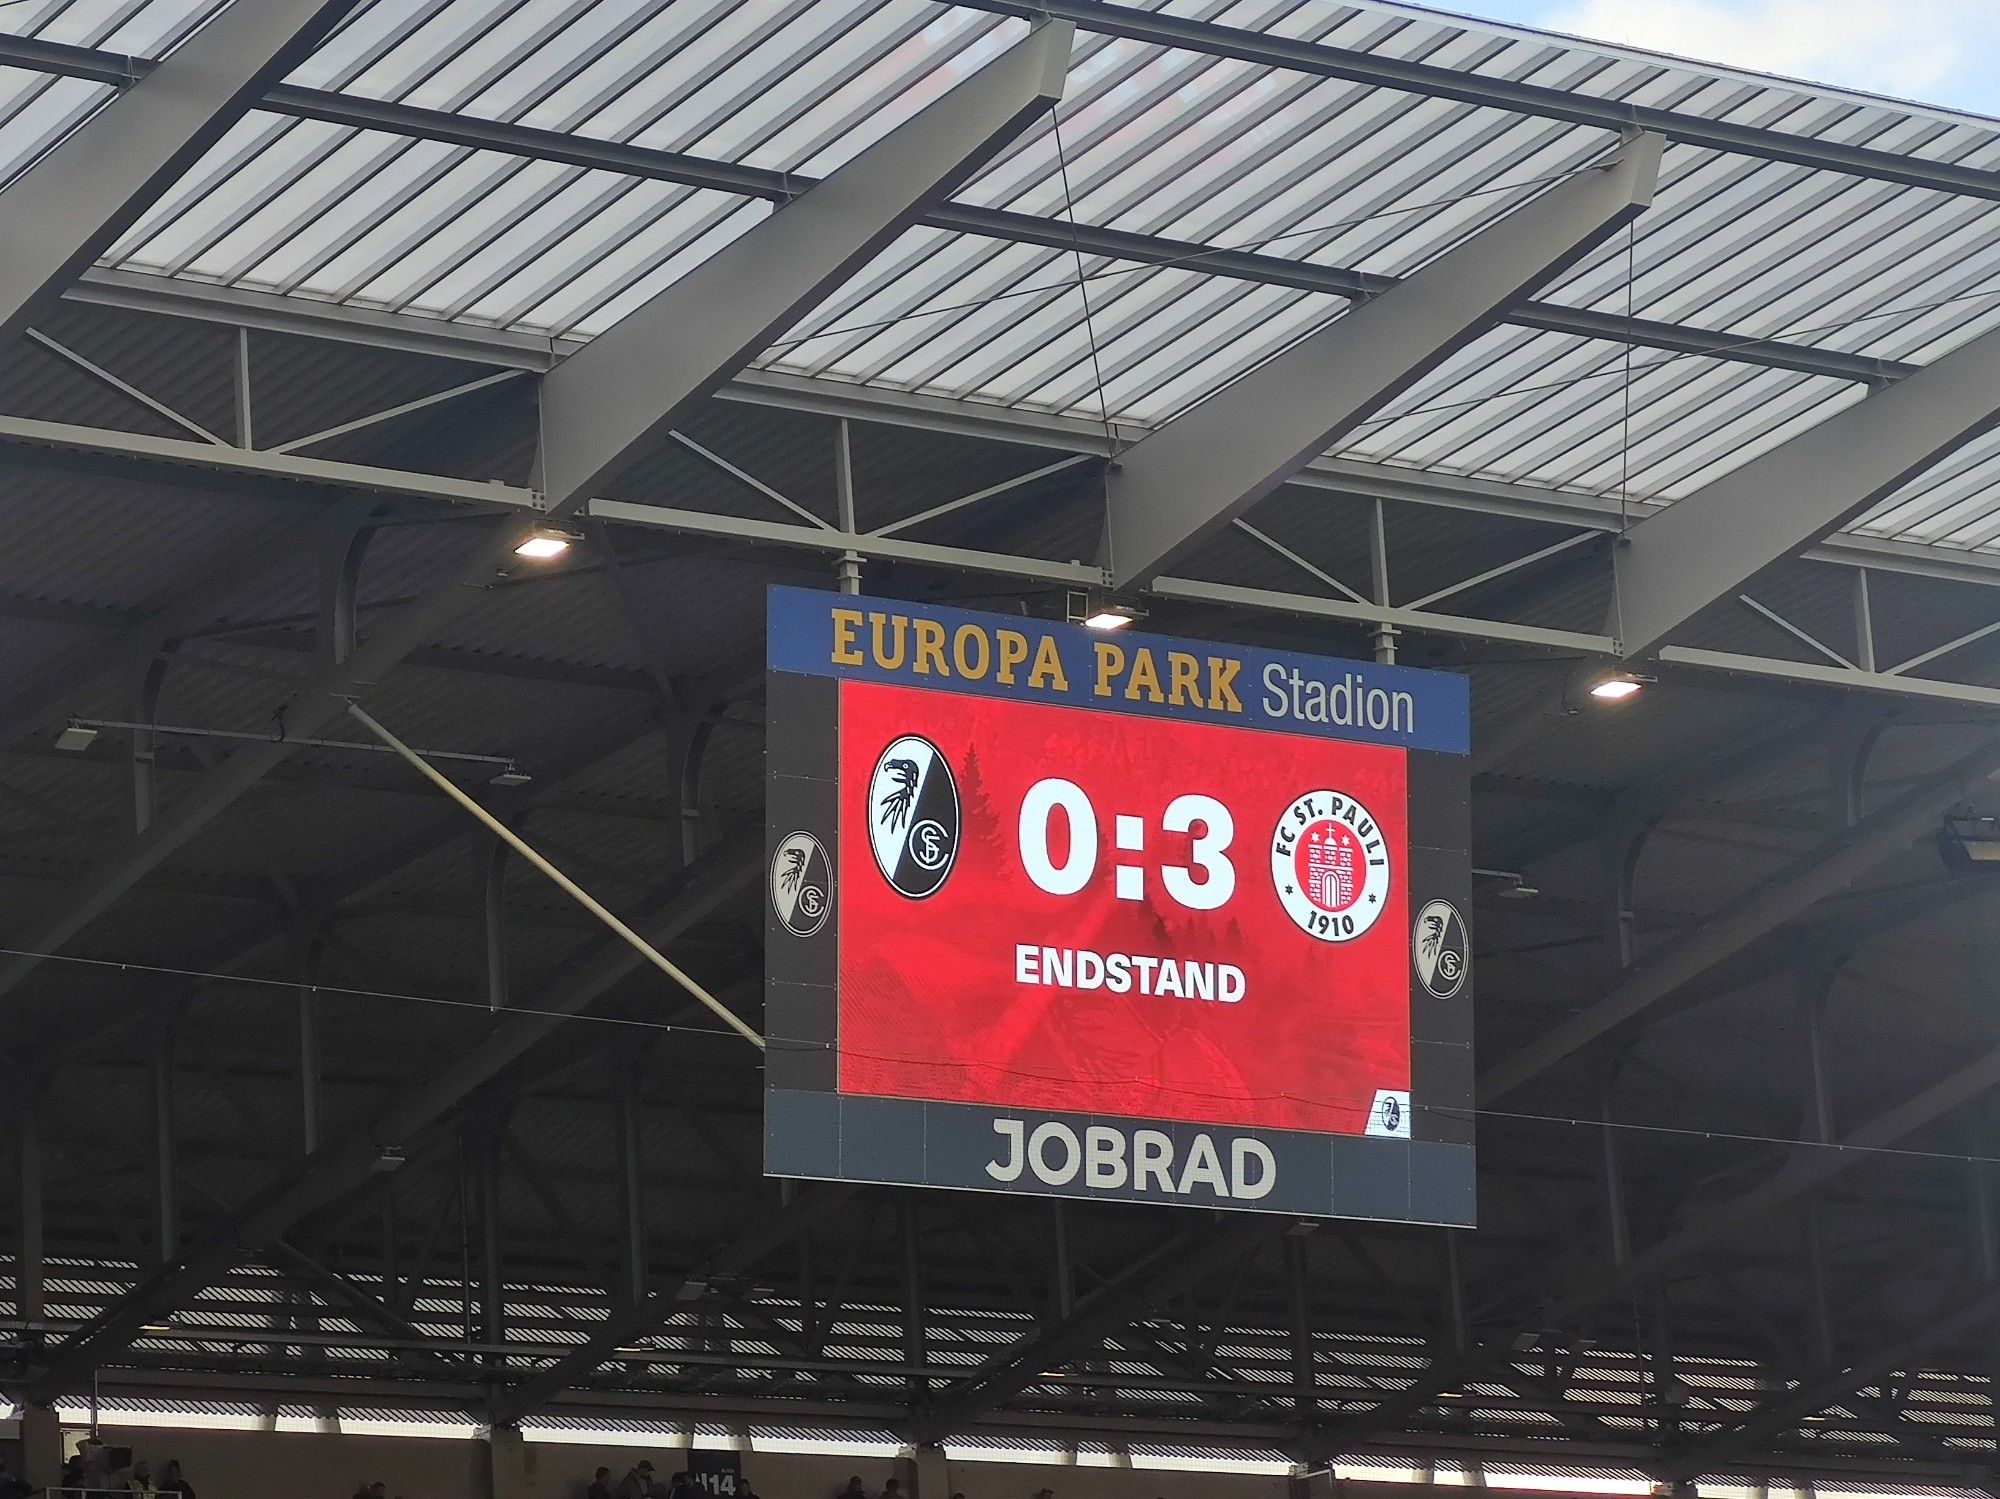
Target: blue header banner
{"x":1037,"y":660}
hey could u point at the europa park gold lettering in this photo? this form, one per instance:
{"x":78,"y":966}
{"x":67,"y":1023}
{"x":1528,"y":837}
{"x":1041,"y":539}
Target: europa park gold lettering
{"x":927,"y":648}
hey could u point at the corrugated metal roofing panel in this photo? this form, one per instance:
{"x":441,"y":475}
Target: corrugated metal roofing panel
{"x":1203,"y":148}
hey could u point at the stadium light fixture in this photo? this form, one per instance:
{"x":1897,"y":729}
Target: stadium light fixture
{"x":1970,"y":843}
{"x":547,"y":542}
{"x":1617,"y":686}
{"x":76,"y":737}
{"x":1098,"y":611}
{"x":513,"y":775}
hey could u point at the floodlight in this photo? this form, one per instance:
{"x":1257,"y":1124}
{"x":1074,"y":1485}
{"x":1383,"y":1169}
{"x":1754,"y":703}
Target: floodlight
{"x":547,"y":542}
{"x":1616,"y":687}
{"x":1099,"y":611}
{"x":76,"y":738}
{"x":1970,"y":842}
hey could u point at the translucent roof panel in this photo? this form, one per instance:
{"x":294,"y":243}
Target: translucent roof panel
{"x":1201,"y":150}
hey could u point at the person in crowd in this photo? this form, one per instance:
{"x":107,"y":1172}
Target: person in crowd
{"x":600,"y":1485}
{"x":854,"y":1490}
{"x":172,"y":1484}
{"x":893,"y":1489}
{"x":638,"y":1484}
{"x":93,"y":1461}
{"x":375,"y":1490}
{"x":680,"y":1486}
{"x":140,"y":1479}
{"x":10,"y":1486}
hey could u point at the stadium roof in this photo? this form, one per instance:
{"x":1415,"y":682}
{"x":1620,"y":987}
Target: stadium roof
{"x":307,"y":386}
{"x":576,"y":159}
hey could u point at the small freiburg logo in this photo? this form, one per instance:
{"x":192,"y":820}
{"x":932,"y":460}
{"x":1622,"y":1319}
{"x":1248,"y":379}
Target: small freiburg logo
{"x":1441,"y":948}
{"x":1330,"y":864}
{"x":1390,"y":1114}
{"x":913,"y":817}
{"x":801,"y":884}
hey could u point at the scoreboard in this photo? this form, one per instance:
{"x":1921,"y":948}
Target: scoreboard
{"x":1110,"y":915}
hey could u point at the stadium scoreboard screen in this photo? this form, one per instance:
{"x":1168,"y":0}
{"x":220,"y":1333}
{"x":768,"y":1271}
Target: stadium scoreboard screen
{"x":1109,"y":915}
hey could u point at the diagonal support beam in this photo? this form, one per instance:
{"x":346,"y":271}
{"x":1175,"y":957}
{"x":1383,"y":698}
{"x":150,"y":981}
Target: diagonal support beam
{"x":1182,"y":1261}
{"x":753,"y":1243}
{"x":697,"y":894}
{"x":1674,"y":563}
{"x":1832,"y":1386}
{"x":1809,"y":1167}
{"x":629,"y":381}
{"x":1828,"y":870}
{"x":69,"y":207}
{"x":625,"y":385}
{"x":1201,"y":470}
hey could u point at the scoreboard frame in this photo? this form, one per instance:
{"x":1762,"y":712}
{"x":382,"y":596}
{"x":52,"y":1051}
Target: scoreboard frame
{"x":835,"y":657}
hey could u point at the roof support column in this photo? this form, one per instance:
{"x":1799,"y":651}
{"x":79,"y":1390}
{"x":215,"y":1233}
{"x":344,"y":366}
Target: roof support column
{"x":69,"y":207}
{"x":1203,"y":469}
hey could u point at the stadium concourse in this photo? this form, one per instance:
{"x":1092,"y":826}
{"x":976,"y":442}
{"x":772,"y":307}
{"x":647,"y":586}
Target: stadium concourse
{"x":406,"y":408}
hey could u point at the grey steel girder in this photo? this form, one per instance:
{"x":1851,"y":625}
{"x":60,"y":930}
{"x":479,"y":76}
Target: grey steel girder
{"x":71,"y":205}
{"x":1676,"y":562}
{"x":1212,"y":463}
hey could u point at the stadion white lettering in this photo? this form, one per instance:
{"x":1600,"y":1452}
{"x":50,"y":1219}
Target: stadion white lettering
{"x":1104,"y":1159}
{"x":1127,"y":973}
{"x":1347,"y":700}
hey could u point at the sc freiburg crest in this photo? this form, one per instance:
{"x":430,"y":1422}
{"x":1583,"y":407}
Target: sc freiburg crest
{"x":801,"y":884}
{"x":913,"y":817}
{"x":1441,"y":949}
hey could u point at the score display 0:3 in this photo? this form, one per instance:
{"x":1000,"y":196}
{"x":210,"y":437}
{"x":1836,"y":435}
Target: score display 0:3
{"x":1034,"y":938}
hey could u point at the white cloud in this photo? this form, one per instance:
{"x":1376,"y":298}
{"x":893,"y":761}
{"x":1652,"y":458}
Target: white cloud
{"x":1913,"y":48}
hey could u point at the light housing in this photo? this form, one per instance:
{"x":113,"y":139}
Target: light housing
{"x":76,"y":738}
{"x":547,"y":542}
{"x":513,"y":775}
{"x":1970,"y":843}
{"x":1617,"y":686}
{"x":1097,"y":611}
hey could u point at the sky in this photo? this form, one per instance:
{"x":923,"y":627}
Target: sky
{"x":1944,"y":52}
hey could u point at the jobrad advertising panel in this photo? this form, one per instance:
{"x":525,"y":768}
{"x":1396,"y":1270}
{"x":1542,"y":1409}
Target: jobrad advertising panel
{"x":1087,"y":914}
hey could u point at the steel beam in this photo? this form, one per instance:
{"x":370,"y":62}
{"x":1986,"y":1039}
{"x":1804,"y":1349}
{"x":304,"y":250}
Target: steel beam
{"x":70,"y":206}
{"x":29,"y":1296}
{"x":1491,"y":91}
{"x":1961,"y":1314}
{"x":762,"y":1236}
{"x":696,"y":894}
{"x":1807,"y":1168}
{"x":167,"y":1197}
{"x":628,"y":382}
{"x":1187,"y":1258}
{"x":621,"y":388}
{"x":1828,"y":870}
{"x":1676,"y":562}
{"x":1209,"y":465}
{"x":49,"y":690}
{"x":414,"y":122}
{"x":631,"y":1176}
{"x":1348,"y":477}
